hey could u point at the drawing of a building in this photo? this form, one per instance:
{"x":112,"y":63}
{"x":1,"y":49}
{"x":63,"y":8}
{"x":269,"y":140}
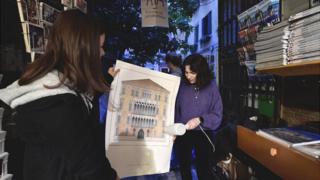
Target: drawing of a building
{"x":142,"y":109}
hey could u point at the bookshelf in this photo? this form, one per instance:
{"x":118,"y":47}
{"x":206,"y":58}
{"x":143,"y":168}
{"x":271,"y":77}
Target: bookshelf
{"x":294,"y":69}
{"x":294,"y":91}
{"x":286,"y":162}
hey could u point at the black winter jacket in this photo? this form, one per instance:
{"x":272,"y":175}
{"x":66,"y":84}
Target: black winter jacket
{"x":63,"y":140}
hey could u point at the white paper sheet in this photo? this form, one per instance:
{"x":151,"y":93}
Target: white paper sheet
{"x":141,"y":104}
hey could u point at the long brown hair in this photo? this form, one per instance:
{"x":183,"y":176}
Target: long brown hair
{"x":199,"y":65}
{"x":73,"y":49}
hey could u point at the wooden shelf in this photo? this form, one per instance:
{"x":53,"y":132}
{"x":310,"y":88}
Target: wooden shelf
{"x":285,"y":162}
{"x":296,"y":69}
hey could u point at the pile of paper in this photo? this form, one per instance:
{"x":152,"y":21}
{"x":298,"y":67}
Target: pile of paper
{"x":271,"y":45}
{"x":304,"y":40}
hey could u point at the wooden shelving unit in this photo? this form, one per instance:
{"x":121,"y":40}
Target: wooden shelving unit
{"x":296,"y":69}
{"x":286,"y":162}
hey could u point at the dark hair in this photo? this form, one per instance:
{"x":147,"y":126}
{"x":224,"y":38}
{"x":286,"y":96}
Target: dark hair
{"x":199,"y":65}
{"x":175,"y":59}
{"x":73,"y":49}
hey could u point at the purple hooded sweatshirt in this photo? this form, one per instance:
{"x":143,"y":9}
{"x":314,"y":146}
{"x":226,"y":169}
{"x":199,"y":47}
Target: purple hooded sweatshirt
{"x":206,"y":103}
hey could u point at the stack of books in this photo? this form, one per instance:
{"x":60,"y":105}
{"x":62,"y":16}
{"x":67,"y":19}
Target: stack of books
{"x":304,"y":41}
{"x":312,"y":150}
{"x":302,"y":141}
{"x":3,"y":155}
{"x":271,"y":46}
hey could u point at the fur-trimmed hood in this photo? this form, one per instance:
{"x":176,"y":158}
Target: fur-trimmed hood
{"x":15,"y":95}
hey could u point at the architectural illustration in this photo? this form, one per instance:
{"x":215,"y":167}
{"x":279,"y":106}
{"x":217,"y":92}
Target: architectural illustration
{"x":143,"y":110}
{"x":141,"y":105}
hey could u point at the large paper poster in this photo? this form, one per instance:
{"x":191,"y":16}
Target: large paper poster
{"x":154,"y":13}
{"x":141,"y":104}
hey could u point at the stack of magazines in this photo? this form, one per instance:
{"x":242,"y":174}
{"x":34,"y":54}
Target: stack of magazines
{"x":312,"y":150}
{"x":301,"y":140}
{"x":304,"y":41}
{"x":251,"y":21}
{"x":271,"y":45}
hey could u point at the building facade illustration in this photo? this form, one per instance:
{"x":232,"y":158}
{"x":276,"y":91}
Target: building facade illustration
{"x":142,"y":110}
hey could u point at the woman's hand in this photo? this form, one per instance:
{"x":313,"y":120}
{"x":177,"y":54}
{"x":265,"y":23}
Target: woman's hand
{"x":113,"y":72}
{"x":193,"y":123}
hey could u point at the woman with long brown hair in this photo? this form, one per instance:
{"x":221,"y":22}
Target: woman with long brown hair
{"x":53,"y":99}
{"x":199,"y":107}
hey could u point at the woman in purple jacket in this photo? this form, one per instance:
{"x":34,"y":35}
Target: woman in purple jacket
{"x":198,"y":106}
